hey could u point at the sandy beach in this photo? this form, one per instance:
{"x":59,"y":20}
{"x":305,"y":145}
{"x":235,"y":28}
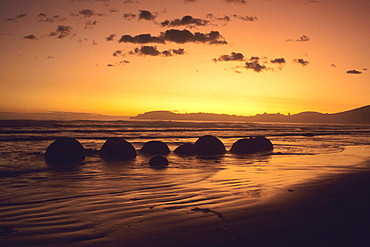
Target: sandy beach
{"x":330,"y":211}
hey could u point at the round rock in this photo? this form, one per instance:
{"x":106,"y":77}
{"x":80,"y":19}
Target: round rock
{"x":252,"y":145}
{"x":117,"y":148}
{"x":158,"y":161}
{"x":209,"y":145}
{"x":64,"y":150}
{"x":185,"y":149}
{"x":155,"y":147}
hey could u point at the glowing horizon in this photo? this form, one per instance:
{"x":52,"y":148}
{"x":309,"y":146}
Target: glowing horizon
{"x":249,"y":57}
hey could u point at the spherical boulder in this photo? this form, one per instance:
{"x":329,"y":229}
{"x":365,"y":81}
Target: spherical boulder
{"x":209,"y":145}
{"x":185,"y":149}
{"x":117,"y":148}
{"x":158,"y":161}
{"x":252,"y":145}
{"x":155,"y":147}
{"x":64,"y":150}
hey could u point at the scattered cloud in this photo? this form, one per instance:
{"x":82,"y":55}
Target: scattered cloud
{"x":255,"y":64}
{"x":118,"y":53}
{"x":301,"y":61}
{"x":129,"y":16}
{"x":61,"y":32}
{"x":153,"y":51}
{"x":237,"y":1}
{"x":89,"y":24}
{"x":303,"y":38}
{"x":278,"y":61}
{"x":42,"y":17}
{"x":31,"y":36}
{"x":187,"y":20}
{"x":146,"y":15}
{"x":16,"y":18}
{"x":86,"y":13}
{"x":354,"y":72}
{"x":185,"y":36}
{"x":232,"y":57}
{"x":177,"y":36}
{"x":141,"y":39}
{"x":118,"y":64}
{"x":227,"y":18}
{"x":130,"y":1}
{"x":111,"y":37}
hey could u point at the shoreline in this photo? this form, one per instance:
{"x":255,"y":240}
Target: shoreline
{"x":331,"y":210}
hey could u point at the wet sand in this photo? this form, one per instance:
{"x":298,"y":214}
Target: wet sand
{"x":329,"y":211}
{"x":186,"y":207}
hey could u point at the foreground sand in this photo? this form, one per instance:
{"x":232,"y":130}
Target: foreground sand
{"x":330,"y":211}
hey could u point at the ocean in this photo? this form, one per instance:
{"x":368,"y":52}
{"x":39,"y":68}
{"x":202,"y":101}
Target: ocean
{"x":42,"y":205}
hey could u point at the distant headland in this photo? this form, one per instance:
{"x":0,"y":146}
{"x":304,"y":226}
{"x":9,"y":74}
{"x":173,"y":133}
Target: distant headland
{"x":355,"y":116}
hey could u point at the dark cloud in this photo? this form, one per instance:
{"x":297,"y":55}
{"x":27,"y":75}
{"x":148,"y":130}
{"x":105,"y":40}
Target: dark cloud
{"x":129,"y":16}
{"x":246,"y":17}
{"x":227,"y":18}
{"x":16,"y":18}
{"x":177,"y":36}
{"x":232,"y":57}
{"x":118,"y":53}
{"x":90,"y":24}
{"x":303,"y":38}
{"x":301,"y":61}
{"x":187,"y":20}
{"x":185,"y":36}
{"x":111,"y":37}
{"x":254,"y":64}
{"x":278,"y":61}
{"x":236,"y":1}
{"x":130,"y":1}
{"x":86,"y":13}
{"x":354,"y":72}
{"x":141,"y":39}
{"x":146,"y":15}
{"x":153,"y":51}
{"x":61,"y":32}
{"x":31,"y":36}
{"x":104,"y":1}
{"x":179,"y":51}
{"x":118,"y":64}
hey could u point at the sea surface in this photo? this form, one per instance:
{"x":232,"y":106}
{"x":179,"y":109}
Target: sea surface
{"x":45,"y":205}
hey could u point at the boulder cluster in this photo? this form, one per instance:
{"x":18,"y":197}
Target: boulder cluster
{"x":66,"y":150}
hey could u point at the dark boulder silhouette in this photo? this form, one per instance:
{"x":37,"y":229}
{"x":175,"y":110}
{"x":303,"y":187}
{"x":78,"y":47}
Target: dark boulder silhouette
{"x":155,"y":147}
{"x":185,"y":149}
{"x":117,"y":148}
{"x":64,"y":150}
{"x":252,"y":145}
{"x":158,"y":161}
{"x":209,"y":145}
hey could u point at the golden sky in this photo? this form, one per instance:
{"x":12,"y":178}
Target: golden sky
{"x":125,"y":57}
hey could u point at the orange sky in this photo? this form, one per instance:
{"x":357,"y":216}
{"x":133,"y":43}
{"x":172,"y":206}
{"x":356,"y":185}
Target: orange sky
{"x":248,"y":57}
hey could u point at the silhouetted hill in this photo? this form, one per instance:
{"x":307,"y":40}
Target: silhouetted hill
{"x":355,"y":116}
